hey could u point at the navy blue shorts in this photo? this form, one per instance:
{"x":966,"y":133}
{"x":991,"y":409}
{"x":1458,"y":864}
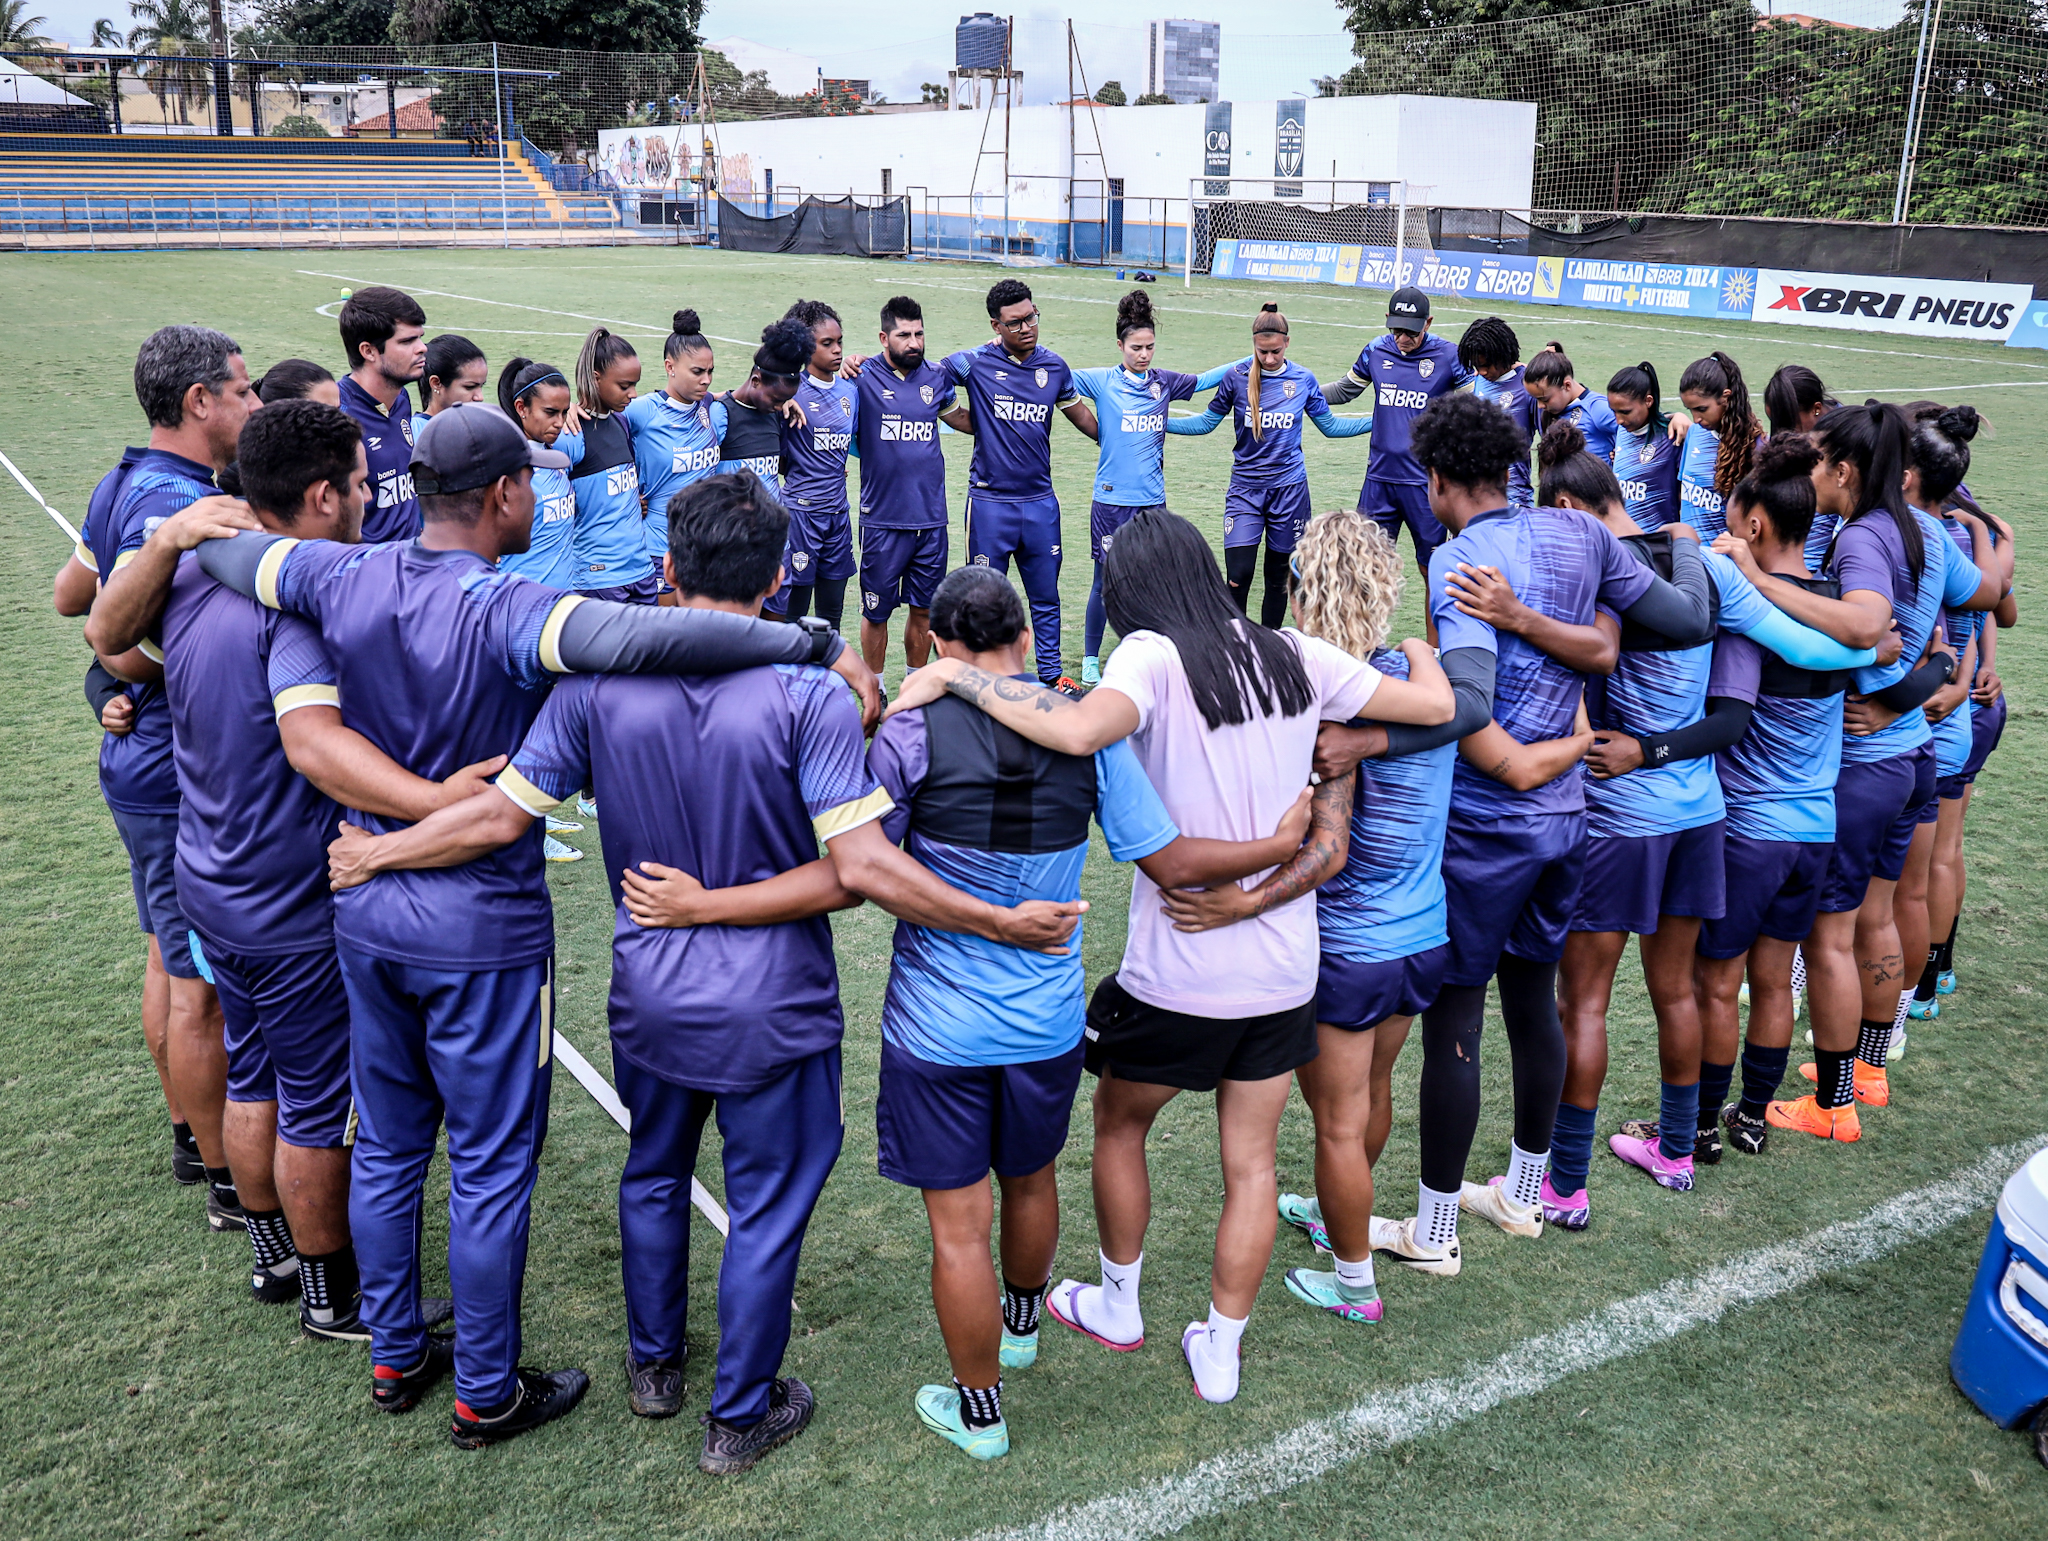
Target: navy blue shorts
{"x":1870,"y":799}
{"x":286,"y":1023}
{"x":642,"y":591}
{"x":1511,"y":884}
{"x":1356,"y":994}
{"x":1632,"y":879}
{"x":1773,"y":890}
{"x":899,"y":567}
{"x":1987,"y":726}
{"x":949,"y":1126}
{"x":152,"y":842}
{"x":1921,"y":808}
{"x":1105,"y":519}
{"x":820,"y":544}
{"x":1276,"y":515}
{"x":1393,"y":504}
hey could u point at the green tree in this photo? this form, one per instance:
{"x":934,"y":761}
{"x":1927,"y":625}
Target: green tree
{"x":170,"y":27}
{"x":18,"y":29}
{"x":1154,"y":99}
{"x":328,"y":23}
{"x":105,"y":34}
{"x":605,"y":26}
{"x":1112,"y":94}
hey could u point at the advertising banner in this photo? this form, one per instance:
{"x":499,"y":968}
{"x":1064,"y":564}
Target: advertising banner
{"x":655,"y":160}
{"x":1216,"y":149}
{"x":1297,"y":262}
{"x":1289,"y":147}
{"x":1908,"y":307}
{"x":1659,"y":288}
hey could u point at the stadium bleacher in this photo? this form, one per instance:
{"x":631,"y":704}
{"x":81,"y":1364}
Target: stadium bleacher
{"x":94,"y":186}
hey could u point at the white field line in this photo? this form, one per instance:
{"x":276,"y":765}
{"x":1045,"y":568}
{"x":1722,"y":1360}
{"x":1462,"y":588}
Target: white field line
{"x":601,"y":1093}
{"x":1627,"y":1327}
{"x":542,"y":310}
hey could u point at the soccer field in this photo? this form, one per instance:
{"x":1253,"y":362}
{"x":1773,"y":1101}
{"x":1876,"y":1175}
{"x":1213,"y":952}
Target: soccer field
{"x":1800,"y":1392}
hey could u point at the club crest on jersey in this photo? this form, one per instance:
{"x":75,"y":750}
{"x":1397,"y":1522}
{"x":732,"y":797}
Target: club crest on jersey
{"x":1154,"y":389}
{"x":1287,"y":389}
{"x":980,"y":559}
{"x":799,"y":560}
{"x":1039,"y":376}
{"x":405,"y":427}
{"x":926,"y":392}
{"x":874,"y":600}
{"x":1426,"y":368}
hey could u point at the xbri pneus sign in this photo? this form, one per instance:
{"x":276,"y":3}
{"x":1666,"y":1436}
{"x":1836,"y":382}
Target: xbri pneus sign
{"x":1915,"y":307}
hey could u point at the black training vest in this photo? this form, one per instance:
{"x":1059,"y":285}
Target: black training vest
{"x":607,"y":444}
{"x":991,"y":789}
{"x":1789,"y":681}
{"x":1654,"y":549}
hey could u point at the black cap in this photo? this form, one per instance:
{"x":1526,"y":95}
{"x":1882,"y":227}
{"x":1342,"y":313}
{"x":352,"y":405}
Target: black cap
{"x":471,"y":445}
{"x":1408,"y":310}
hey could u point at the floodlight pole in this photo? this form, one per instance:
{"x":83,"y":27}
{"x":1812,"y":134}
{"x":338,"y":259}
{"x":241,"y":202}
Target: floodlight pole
{"x":1909,"y":149}
{"x":498,"y":104}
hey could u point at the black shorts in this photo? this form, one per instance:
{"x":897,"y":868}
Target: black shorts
{"x":1138,"y":1042}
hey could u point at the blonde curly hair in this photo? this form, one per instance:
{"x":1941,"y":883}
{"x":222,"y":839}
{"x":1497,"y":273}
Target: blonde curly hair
{"x":1347,"y":581}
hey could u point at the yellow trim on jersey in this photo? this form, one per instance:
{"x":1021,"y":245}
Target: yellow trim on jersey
{"x":123,"y":558}
{"x":524,"y":793}
{"x":82,"y":554}
{"x":267,"y":571}
{"x":293,"y":697}
{"x":834,"y":822}
{"x":150,"y":650}
{"x":1352,"y":376}
{"x":551,"y":637}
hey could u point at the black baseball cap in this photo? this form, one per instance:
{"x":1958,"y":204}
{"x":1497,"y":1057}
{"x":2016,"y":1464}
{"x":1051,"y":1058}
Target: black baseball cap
{"x":1407,"y":310}
{"x":472,"y":445}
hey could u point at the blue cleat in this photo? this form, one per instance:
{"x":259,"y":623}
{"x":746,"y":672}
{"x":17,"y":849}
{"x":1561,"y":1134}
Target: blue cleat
{"x":1945,"y":982}
{"x":1018,"y":1353}
{"x":1305,"y":1215}
{"x":1326,"y":1291}
{"x":938,"y":1409}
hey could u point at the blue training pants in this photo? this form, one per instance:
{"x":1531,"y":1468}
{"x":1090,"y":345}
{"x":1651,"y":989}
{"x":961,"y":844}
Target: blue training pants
{"x":1029,"y":530}
{"x":474,"y":1050}
{"x":781,"y":1141}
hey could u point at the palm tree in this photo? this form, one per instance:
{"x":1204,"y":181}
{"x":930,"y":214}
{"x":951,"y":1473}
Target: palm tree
{"x":105,"y":34}
{"x":18,"y":30}
{"x":167,"y":27}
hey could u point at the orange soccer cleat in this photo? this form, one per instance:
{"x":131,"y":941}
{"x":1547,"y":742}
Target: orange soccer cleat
{"x":1873,"y":1088}
{"x":1807,"y":1116}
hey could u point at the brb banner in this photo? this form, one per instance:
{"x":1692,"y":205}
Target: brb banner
{"x":1661,"y":288}
{"x":1461,"y":274}
{"x":1912,"y":307}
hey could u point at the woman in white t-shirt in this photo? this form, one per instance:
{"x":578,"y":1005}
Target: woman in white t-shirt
{"x":1223,"y":715}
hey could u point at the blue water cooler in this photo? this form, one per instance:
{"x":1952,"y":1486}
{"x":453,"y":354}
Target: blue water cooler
{"x":2001,"y":1354}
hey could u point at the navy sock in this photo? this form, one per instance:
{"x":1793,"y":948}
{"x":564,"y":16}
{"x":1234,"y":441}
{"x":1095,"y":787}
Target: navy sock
{"x":1714,"y":1083}
{"x":1571,"y":1148}
{"x":1763,"y":1070}
{"x":1678,"y":1113}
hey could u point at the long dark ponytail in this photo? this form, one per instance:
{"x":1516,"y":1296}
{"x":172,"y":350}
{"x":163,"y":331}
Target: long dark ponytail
{"x":1874,"y":439}
{"x":1160,"y":575}
{"x":1638,"y":382}
{"x":518,"y":378}
{"x":1718,"y":375}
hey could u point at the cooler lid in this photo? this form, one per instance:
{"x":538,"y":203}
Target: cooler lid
{"x":2024,"y":1207}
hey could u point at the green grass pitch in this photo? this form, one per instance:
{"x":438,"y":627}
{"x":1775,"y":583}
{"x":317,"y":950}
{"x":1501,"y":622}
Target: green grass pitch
{"x":147,"y":1396}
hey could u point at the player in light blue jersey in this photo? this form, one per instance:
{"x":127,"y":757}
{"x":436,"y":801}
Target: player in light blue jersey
{"x":1646,"y":454}
{"x":455,"y":374}
{"x":1493,"y":353}
{"x":1268,"y":399}
{"x":536,"y":397}
{"x":814,"y":490}
{"x":677,"y":430}
{"x":1720,"y":447}
{"x":610,"y":548}
{"x":1552,"y":385}
{"x":1131,"y":402}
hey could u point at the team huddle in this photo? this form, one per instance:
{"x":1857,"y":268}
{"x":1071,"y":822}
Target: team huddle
{"x":1721,"y":685}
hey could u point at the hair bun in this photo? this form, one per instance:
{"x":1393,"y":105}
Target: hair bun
{"x":1786,"y":456}
{"x":687,"y":324}
{"x":1270,"y":307}
{"x":1561,"y":440}
{"x":1959,"y":423}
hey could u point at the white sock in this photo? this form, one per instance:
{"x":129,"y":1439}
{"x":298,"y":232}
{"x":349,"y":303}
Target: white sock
{"x":1899,"y":1016}
{"x":1355,"y":1276}
{"x":1122,"y":1322}
{"x":1436,"y":1216}
{"x":1212,"y":1355}
{"x":1798,"y":971}
{"x":1525,"y":1175}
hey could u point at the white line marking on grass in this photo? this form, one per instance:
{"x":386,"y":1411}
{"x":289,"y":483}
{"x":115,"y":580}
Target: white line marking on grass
{"x":573,"y":315}
{"x":1627,"y":1327}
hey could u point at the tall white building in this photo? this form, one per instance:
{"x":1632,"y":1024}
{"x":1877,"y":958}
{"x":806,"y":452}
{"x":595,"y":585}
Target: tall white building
{"x":1184,"y":60}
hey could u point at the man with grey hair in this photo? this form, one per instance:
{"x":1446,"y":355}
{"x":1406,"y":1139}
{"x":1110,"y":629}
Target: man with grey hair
{"x":196,"y":393}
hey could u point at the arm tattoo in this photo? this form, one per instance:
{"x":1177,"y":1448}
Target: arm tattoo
{"x":979,"y":688}
{"x":1329,"y":826}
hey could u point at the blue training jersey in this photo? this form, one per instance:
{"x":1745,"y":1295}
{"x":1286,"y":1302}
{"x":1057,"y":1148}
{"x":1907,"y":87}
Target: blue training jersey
{"x":1388,"y":902}
{"x":1952,"y":735}
{"x":1594,"y":418}
{"x":611,"y":540}
{"x":1012,"y":402}
{"x":816,"y":453}
{"x":1006,"y":821}
{"x":1646,"y":465}
{"x":1287,"y":396}
{"x":394,"y":511}
{"x":550,"y":554}
{"x":673,"y":445}
{"x":1402,"y":384}
{"x":1699,"y":505}
{"x":896,"y":429}
{"x":1507,"y":394}
{"x":733,"y":778}
{"x":1130,"y":411}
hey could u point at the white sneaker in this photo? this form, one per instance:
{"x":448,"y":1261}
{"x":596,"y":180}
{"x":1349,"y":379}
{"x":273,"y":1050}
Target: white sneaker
{"x":587,"y":806}
{"x":1491,"y":1202}
{"x":1898,"y":1045}
{"x":557,"y":850}
{"x":1398,"y":1237}
{"x":561,"y":826}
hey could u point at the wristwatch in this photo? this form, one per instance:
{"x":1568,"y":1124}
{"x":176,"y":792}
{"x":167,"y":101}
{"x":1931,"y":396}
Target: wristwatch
{"x":822,"y":636}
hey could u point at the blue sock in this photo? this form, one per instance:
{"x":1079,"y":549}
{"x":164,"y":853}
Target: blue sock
{"x":1095,"y":619}
{"x":1714,"y":1083}
{"x":1762,"y":1071}
{"x":1571,"y":1148}
{"x":1678,"y":1113}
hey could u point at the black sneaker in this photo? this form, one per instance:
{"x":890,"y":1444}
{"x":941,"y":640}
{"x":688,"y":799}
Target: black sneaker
{"x":1706,"y":1145}
{"x":542,"y":1397}
{"x":1746,"y":1134}
{"x":186,"y":1167}
{"x":656,"y":1386}
{"x":729,"y":1451}
{"x":435,"y":1311}
{"x":221,"y":1215}
{"x":399,"y":1391}
{"x":1640,"y":1128}
{"x":275,"y":1289}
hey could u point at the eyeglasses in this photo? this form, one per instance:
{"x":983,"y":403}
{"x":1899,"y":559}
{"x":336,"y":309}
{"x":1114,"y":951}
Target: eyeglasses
{"x":1020,"y":323}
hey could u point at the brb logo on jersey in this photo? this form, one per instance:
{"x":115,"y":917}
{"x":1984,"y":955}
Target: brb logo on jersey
{"x":393,"y":488}
{"x":1010,"y":410}
{"x":1700,"y":497}
{"x":1144,"y":422}
{"x":695,"y":459}
{"x":829,"y":442}
{"x":1394,"y":396}
{"x":1634,"y":492}
{"x":896,"y":429}
{"x":1276,"y":420}
{"x":621,"y":480}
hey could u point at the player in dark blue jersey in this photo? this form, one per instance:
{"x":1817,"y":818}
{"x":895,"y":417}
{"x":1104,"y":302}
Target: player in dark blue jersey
{"x":1267,"y":399}
{"x":453,"y":374}
{"x":1645,"y":455}
{"x":610,"y":548}
{"x":1721,"y":444}
{"x":814,"y":489}
{"x":196,"y":393}
{"x":1492,"y":352}
{"x":757,"y":415}
{"x":384,"y":336}
{"x":443,"y":660}
{"x":1553,"y":386}
{"x":1013,"y":386}
{"x":903,"y":399}
{"x":1403,"y":371}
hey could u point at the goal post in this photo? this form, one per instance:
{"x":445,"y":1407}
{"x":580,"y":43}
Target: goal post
{"x":1306,"y":230}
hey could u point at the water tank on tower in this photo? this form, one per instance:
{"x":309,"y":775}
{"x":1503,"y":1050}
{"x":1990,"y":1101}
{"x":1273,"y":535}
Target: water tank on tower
{"x":981,"y":42}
